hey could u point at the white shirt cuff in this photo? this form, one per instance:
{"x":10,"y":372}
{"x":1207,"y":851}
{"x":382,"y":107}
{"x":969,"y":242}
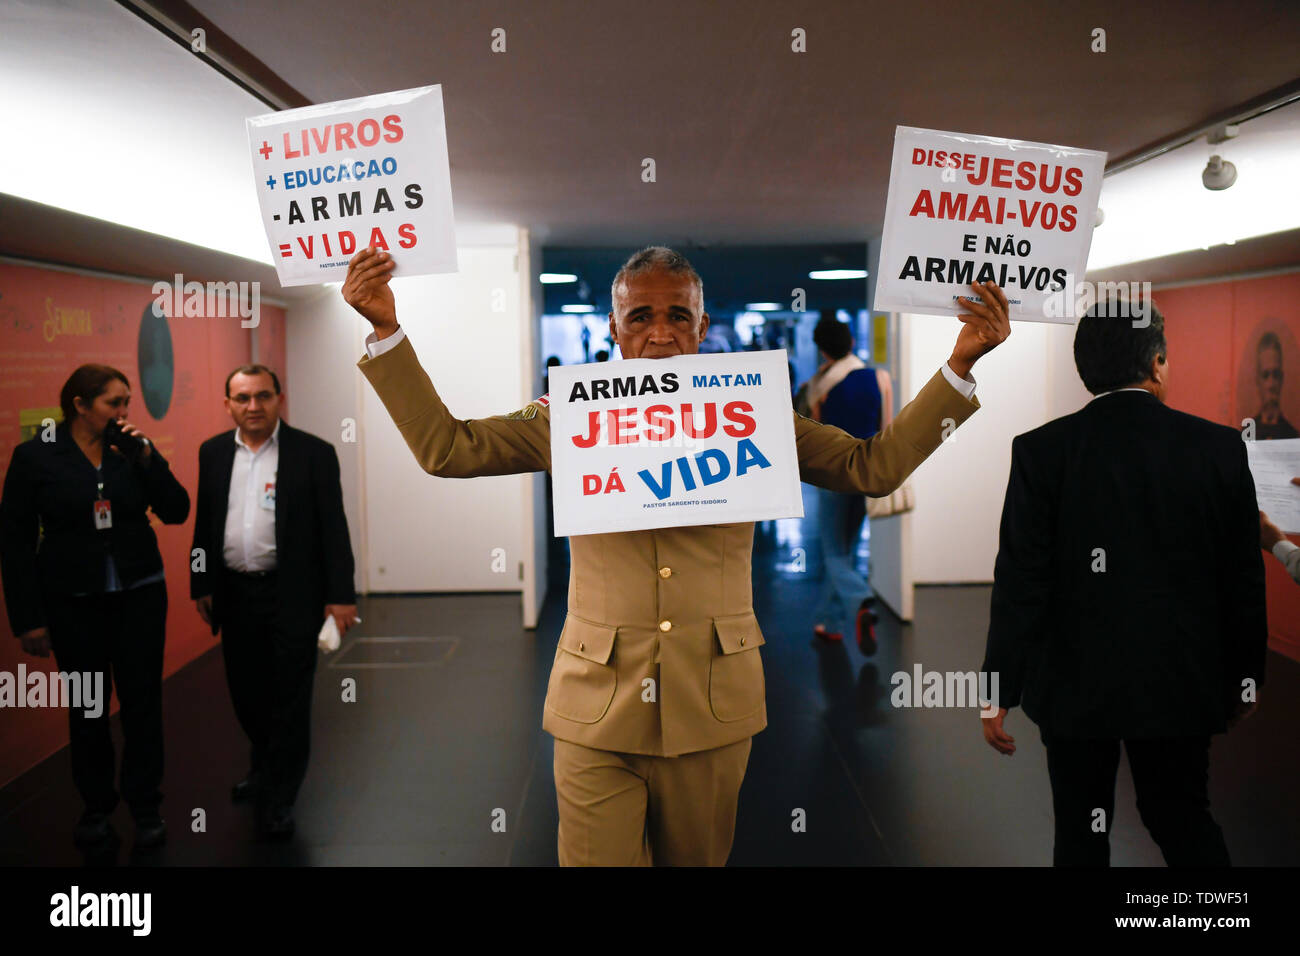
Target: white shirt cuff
{"x":1283,"y":548}
{"x":964,"y":385}
{"x":376,"y":347}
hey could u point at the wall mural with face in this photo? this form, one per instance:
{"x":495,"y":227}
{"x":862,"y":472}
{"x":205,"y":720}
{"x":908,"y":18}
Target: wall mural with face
{"x":1262,"y":390}
{"x":1234,"y":352}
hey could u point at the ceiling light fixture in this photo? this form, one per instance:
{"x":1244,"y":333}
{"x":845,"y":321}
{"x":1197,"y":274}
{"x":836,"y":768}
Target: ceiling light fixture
{"x":838,"y":274}
{"x":1218,"y":174}
{"x":1173,"y":202}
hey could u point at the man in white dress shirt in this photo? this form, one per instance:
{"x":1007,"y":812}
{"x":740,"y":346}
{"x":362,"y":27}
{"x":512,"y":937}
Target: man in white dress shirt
{"x":271,"y":507}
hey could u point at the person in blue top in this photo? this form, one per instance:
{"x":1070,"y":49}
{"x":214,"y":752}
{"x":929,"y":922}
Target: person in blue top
{"x":848,"y":394}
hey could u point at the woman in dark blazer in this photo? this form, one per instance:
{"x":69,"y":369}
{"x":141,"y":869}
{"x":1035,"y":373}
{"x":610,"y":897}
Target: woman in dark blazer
{"x":83,"y":576}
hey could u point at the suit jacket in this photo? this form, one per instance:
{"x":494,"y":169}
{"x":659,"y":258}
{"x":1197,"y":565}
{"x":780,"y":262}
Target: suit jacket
{"x":312,"y":546}
{"x":1158,"y":643}
{"x":671,"y":604}
{"x":50,"y":490}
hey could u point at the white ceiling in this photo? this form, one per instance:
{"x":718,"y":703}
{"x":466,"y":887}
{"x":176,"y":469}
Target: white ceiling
{"x":754,"y":144}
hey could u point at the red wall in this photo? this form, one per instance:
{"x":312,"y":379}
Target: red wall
{"x":1213,"y":331}
{"x":51,"y":322}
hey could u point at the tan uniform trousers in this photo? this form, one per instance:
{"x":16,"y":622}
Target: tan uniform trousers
{"x":619,"y":809}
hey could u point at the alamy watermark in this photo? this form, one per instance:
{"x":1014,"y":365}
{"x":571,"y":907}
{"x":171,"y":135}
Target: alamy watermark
{"x":1118,"y":300}
{"x":215,"y":300}
{"x":922,"y":688}
{"x":77,"y":908}
{"x":77,"y":691}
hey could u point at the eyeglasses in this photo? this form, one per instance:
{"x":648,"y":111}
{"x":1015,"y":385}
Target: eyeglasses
{"x":242,"y":399}
{"x":1271,"y":373}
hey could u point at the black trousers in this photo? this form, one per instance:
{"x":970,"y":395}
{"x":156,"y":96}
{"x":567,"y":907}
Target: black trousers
{"x":1170,"y":776}
{"x":121,"y":635}
{"x":269,"y":669}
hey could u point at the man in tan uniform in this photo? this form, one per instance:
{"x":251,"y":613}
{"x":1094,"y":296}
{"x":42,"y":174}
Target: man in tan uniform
{"x":657,"y":686}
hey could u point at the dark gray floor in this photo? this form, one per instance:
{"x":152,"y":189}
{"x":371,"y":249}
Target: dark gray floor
{"x":439,"y":746}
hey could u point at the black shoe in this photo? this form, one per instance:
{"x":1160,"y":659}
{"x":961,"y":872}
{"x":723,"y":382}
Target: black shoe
{"x":866,"y":628}
{"x":92,"y":829}
{"x":247,"y":788}
{"x":277,"y":824}
{"x":150,"y":831}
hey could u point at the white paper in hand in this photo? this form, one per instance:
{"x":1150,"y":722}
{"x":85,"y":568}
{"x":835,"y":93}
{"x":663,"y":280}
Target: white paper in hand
{"x":1273,"y":463}
{"x":328,"y":640}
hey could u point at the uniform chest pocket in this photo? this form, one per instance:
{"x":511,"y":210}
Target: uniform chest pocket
{"x":736,"y":685}
{"x":583,"y":678}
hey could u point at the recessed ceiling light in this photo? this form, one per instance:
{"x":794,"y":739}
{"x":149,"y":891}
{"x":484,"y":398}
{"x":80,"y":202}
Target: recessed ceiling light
{"x":838,"y":274}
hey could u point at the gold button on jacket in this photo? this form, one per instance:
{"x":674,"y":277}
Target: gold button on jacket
{"x":660,"y":649}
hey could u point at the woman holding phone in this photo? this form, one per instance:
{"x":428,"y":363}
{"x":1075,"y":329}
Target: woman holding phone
{"x":83,"y":577}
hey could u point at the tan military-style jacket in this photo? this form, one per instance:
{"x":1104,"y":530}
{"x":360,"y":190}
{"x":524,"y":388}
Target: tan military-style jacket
{"x":659,"y":651}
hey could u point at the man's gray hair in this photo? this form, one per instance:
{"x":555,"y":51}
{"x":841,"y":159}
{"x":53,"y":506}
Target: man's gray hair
{"x":656,"y":259}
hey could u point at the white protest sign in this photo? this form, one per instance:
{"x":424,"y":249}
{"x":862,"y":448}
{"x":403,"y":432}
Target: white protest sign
{"x":337,"y":177}
{"x":965,"y":208}
{"x":657,"y":443}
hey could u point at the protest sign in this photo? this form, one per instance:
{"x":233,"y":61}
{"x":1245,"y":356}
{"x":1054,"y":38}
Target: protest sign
{"x":337,"y":177}
{"x":965,"y":208}
{"x":657,"y":443}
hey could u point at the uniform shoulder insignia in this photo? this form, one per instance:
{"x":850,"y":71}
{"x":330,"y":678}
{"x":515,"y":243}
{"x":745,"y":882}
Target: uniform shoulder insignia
{"x":530,"y":410}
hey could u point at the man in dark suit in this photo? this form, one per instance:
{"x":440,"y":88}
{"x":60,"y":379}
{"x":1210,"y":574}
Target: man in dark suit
{"x":1128,"y":596}
{"x":275,"y":561}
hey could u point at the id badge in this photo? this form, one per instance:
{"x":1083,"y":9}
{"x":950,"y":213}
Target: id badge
{"x":103,"y":514}
{"x":267,"y":500}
